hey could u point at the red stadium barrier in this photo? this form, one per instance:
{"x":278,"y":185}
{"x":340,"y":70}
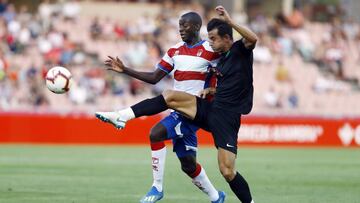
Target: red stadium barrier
{"x":80,"y":129}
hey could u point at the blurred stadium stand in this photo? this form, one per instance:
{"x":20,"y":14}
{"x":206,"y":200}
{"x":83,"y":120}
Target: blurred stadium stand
{"x":306,"y":62}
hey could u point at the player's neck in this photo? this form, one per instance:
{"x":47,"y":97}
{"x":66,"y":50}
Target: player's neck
{"x":194,"y":41}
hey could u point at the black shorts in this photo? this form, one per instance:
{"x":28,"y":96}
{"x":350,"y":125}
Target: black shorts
{"x":224,"y":125}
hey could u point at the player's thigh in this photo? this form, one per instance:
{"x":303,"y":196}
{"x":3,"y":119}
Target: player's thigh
{"x":180,"y":101}
{"x":185,"y":144}
{"x":158,"y":132}
{"x":173,"y":126}
{"x":224,"y":126}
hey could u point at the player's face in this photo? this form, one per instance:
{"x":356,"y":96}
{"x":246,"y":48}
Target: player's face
{"x":187,"y":30}
{"x":217,"y":42}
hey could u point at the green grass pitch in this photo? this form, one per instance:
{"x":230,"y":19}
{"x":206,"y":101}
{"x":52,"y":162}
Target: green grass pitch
{"x":122,"y":174}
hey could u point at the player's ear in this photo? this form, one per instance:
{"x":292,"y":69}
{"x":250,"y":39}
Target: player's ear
{"x":227,"y":37}
{"x":197,"y":27}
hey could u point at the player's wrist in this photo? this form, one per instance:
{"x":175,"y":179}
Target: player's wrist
{"x":231,"y":22}
{"x":123,"y":70}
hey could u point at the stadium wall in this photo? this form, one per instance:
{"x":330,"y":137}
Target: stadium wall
{"x":255,"y":130}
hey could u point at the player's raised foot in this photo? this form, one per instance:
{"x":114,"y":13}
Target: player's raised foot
{"x":152,"y":196}
{"x":113,"y":118}
{"x":221,"y":199}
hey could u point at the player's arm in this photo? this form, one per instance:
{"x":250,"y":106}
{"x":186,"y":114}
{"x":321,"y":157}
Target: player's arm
{"x":249,"y":37}
{"x":115,"y":64}
{"x":208,"y":91}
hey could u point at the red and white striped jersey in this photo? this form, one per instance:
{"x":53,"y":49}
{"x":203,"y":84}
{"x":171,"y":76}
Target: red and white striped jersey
{"x":190,"y":65}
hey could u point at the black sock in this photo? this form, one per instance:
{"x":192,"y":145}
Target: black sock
{"x":241,"y":188}
{"x":150,"y":107}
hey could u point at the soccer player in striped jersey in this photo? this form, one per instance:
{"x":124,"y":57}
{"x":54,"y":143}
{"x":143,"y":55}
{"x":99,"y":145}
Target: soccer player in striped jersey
{"x":189,"y":61}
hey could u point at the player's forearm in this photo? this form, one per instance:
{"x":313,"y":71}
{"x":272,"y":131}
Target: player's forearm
{"x":246,"y":33}
{"x":148,"y":77}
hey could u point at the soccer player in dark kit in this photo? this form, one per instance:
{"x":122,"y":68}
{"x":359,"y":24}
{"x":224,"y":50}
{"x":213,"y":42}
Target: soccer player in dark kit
{"x":233,"y":97}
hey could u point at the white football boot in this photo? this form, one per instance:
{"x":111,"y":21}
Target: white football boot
{"x":113,"y":118}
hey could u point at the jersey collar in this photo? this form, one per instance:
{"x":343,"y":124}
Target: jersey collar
{"x":195,"y":45}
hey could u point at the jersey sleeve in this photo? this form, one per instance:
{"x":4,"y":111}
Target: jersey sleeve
{"x":240,"y":47}
{"x":166,"y":64}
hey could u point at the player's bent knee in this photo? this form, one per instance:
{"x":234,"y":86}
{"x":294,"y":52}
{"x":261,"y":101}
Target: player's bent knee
{"x":227,"y":172}
{"x":157,"y":135}
{"x":154,"y":138}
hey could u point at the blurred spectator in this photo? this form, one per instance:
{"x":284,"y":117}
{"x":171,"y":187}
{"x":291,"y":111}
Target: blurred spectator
{"x":272,"y":98}
{"x":45,"y":11}
{"x":119,"y":31}
{"x":34,"y":27}
{"x":71,"y":10}
{"x":293,"y":99}
{"x":3,"y":6}
{"x":146,"y":25}
{"x":24,"y":16}
{"x":10,"y":13}
{"x":334,"y":56}
{"x":24,"y":37}
{"x":262,"y":52}
{"x":304,"y":44}
{"x":14,"y":27}
{"x":67,"y":52}
{"x":282,"y":73}
{"x":351,"y":29}
{"x":295,"y":19}
{"x":95,"y":29}
{"x":44,"y":44}
{"x":107,"y":29}
{"x":325,"y":84}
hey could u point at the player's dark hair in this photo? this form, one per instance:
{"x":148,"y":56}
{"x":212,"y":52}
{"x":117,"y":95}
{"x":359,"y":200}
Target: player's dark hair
{"x":223,"y":27}
{"x":193,"y":17}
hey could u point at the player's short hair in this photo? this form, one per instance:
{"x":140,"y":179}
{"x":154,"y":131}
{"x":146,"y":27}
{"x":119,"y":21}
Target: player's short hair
{"x":223,"y":27}
{"x":193,"y":17}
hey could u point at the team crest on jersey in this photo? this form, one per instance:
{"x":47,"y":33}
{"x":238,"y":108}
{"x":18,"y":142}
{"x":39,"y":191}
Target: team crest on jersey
{"x":176,"y":53}
{"x":200,"y":51}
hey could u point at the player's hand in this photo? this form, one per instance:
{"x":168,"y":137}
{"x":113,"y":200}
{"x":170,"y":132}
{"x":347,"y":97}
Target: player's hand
{"x":115,"y":64}
{"x":205,"y":92}
{"x":223,"y":14}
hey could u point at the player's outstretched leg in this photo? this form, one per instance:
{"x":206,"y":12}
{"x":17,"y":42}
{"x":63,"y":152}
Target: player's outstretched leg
{"x":144,"y":108}
{"x":158,"y":155}
{"x":170,"y":99}
{"x":199,"y":178}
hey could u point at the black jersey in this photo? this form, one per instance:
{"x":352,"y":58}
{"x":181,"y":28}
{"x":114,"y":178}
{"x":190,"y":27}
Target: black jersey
{"x":234,"y":91}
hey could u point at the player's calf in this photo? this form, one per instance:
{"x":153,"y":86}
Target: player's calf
{"x":200,"y":180}
{"x":189,"y":165}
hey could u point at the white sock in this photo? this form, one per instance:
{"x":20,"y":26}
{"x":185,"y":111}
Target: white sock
{"x":203,"y":183}
{"x":158,"y":166}
{"x":127,"y":114}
